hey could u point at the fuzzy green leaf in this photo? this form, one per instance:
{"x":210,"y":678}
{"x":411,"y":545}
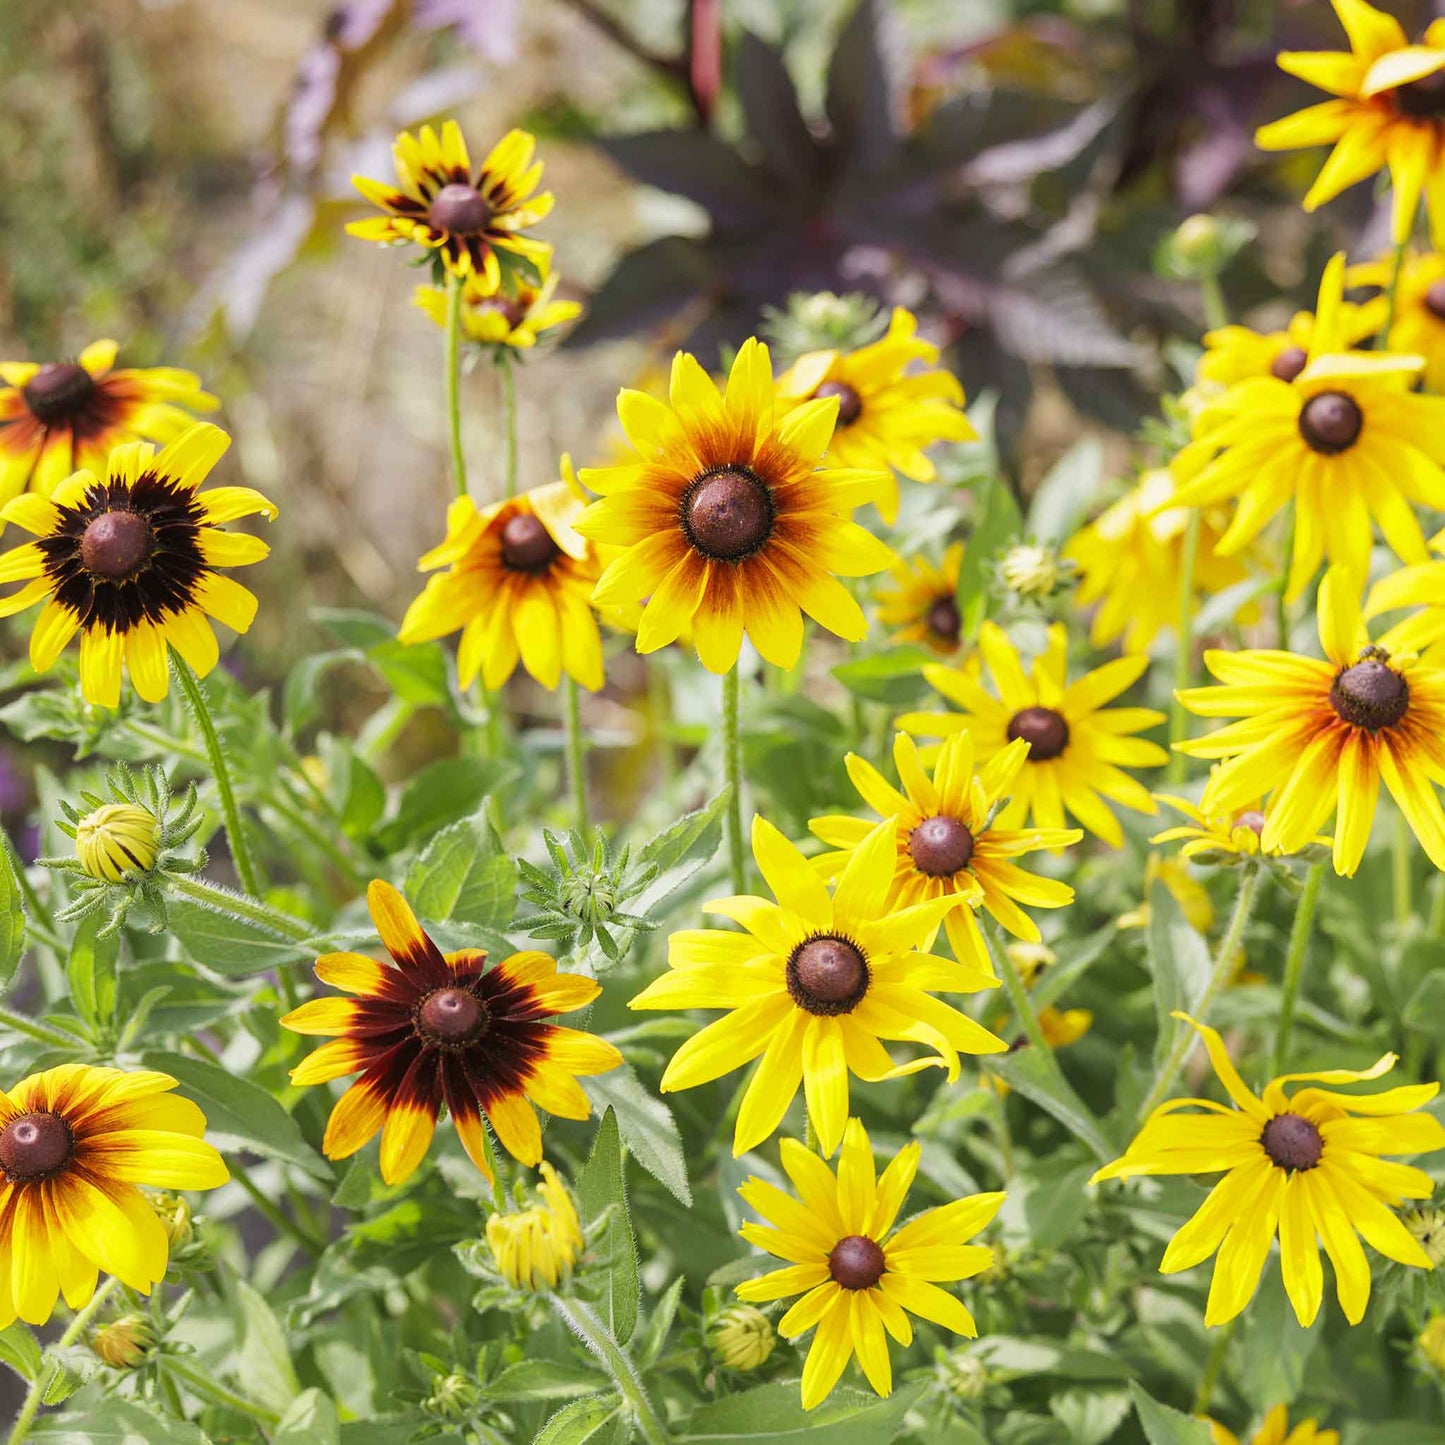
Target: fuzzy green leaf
{"x":648,"y":1127}
{"x":775,"y":1413}
{"x":464,"y":873}
{"x":602,"y":1194}
{"x":1165,"y":1426}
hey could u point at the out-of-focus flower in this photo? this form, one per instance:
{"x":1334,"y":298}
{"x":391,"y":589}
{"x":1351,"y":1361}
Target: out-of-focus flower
{"x":1033,"y":571}
{"x":1431,"y":1343}
{"x":1029,"y":959}
{"x":513,"y":318}
{"x":1418,"y":323}
{"x":1276,"y":1431}
{"x":1427,"y":1227}
{"x":922,"y":604}
{"x":537,"y":1247}
{"x":1227,"y":837}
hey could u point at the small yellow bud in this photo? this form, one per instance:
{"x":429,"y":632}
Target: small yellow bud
{"x":1031,"y":570}
{"x":117,"y":839}
{"x":124,"y":1343}
{"x":1197,"y":237}
{"x":536,"y":1248}
{"x":175,"y":1216}
{"x":1432,"y":1343}
{"x":1427,"y":1225}
{"x":1029,"y":959}
{"x":742,"y":1338}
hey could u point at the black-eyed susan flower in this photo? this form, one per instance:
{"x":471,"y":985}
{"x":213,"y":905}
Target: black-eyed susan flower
{"x":724,"y":521}
{"x":888,"y":412}
{"x":536,"y":1248}
{"x":1275,"y":1430}
{"x":474,"y":226}
{"x":1319,"y":736}
{"x":1129,"y":559}
{"x":1220,"y":837}
{"x":946,"y":841}
{"x":514,"y":318}
{"x":1346,"y":440}
{"x":921,"y":605}
{"x":813,"y":985}
{"x":59,"y":416}
{"x":1303,"y":1166}
{"x":1237,"y":353}
{"x":1078,"y":747}
{"x":1418,"y":322}
{"x":859,"y":1278}
{"x":518,"y":585}
{"x":75,"y":1141}
{"x":1388,"y":110}
{"x":130,"y":559}
{"x":443,"y":1028}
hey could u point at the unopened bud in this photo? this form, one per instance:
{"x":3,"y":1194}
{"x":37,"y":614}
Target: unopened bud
{"x":124,"y":1343}
{"x":117,"y":839}
{"x":741,"y":1338}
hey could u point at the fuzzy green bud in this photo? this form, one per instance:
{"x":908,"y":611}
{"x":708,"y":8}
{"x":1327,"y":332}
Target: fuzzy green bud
{"x":453,"y":1397}
{"x":742,"y":1338}
{"x":117,"y":839}
{"x":124,"y":1343}
{"x":1032,"y":570}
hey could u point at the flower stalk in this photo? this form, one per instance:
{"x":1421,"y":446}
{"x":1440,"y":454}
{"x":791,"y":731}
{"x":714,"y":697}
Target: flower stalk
{"x":453,"y":383}
{"x":583,"y":1321}
{"x":733,"y":773}
{"x":49,"y":1368}
{"x":1299,"y":937}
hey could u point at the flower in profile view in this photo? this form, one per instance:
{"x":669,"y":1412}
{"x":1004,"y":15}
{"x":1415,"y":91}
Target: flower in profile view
{"x":859,"y":1278}
{"x":1307,"y":1166}
{"x":517,"y":585}
{"x":59,"y":416}
{"x":1417,"y":324}
{"x":513,"y":318}
{"x":888,"y":412}
{"x":1231,"y":835}
{"x":1275,"y":1430}
{"x":813,"y":985}
{"x":443,"y":1028}
{"x":921,"y":605}
{"x":536,"y":1248}
{"x":75,"y":1141}
{"x":1237,"y":353}
{"x":723,"y":521}
{"x":475,"y":225}
{"x":130,"y":559}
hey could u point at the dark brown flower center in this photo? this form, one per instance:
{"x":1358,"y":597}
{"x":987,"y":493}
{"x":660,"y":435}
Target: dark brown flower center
{"x":856,"y":1262}
{"x":451,"y":1016}
{"x":940,"y":846}
{"x":60,"y":389}
{"x":850,"y":404}
{"x":1435,"y":299}
{"x":1045,"y":731}
{"x":511,"y":311}
{"x":1289,"y":363}
{"x":944,"y":621}
{"x":1422,"y":99}
{"x":116,"y":545}
{"x":1253,"y":819}
{"x":460,"y":209}
{"x":527,"y":545}
{"x":727,"y":514}
{"x":1370,"y":695}
{"x":827,"y":976}
{"x":1330,"y":422}
{"x":1292,"y":1142}
{"x":34,"y":1146}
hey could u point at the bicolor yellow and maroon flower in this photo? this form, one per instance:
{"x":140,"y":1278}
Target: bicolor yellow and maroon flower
{"x":440,"y":1029}
{"x":922,"y":604}
{"x":514,"y":317}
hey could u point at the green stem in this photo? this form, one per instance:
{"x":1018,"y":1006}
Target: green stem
{"x":1184,"y":649}
{"x":509,"y":417}
{"x":733,"y":771}
{"x":206,"y":1387}
{"x":659,"y":697}
{"x":230,"y":814}
{"x":273,"y":1211}
{"x":42,"y":1033}
{"x":1213,"y":1366}
{"x":576,"y":755}
{"x":1281,"y":603}
{"x":1382,"y":342}
{"x":1005,"y":1138}
{"x":212,"y":895}
{"x":1216,"y":313}
{"x":454,"y":374}
{"x":1402,"y":859}
{"x":20,"y":1430}
{"x":1437,"y":906}
{"x":582,"y":1319}
{"x":1299,"y":937}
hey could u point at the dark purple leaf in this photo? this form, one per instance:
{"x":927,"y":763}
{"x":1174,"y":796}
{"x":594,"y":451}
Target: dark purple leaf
{"x":860,"y":101}
{"x":770,"y":107}
{"x":1108,"y":395}
{"x":646,"y":287}
{"x":698,"y":167}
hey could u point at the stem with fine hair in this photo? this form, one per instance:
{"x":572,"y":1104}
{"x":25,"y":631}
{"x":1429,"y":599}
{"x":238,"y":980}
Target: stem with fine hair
{"x":505,"y":370}
{"x":733,"y":771}
{"x":576,"y":755}
{"x":35,"y":1395}
{"x":198,"y":1382}
{"x":583,"y":1321}
{"x":246,"y":871}
{"x":1299,"y":937}
{"x":1184,"y":650}
{"x":453,"y":383}
{"x":213,"y":896}
{"x":1216,"y":313}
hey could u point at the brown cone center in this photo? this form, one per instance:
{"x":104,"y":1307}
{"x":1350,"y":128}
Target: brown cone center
{"x":856,"y":1262}
{"x":850,"y":404}
{"x":944,"y":621}
{"x":827,"y":976}
{"x":115,"y":545}
{"x":1292,"y":1142}
{"x":1330,"y":422}
{"x":451,"y":1016}
{"x":58,"y":390}
{"x":34,"y":1146}
{"x":1253,"y":820}
{"x":527,"y":545}
{"x":460,"y":209}
{"x":940,"y":846}
{"x":1045,"y":731}
{"x":1422,"y":99}
{"x":1435,"y":299}
{"x":1370,"y":695}
{"x":728,"y":514}
{"x":1289,"y":363}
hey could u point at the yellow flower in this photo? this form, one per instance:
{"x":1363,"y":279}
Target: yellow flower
{"x":75,"y":1141}
{"x":742,"y":1338}
{"x":512,"y":318}
{"x":466,"y":222}
{"x":116,"y":839}
{"x":1030,"y":960}
{"x":129,"y":561}
{"x":1319,"y":736}
{"x":518,"y":584}
{"x":813,"y":985}
{"x":1346,"y":440}
{"x":922,"y":604}
{"x":1302,"y":1165}
{"x":887,"y":415}
{"x":1191,"y":895}
{"x":1233,"y":832}
{"x":725,"y":521}
{"x":1432,"y":1343}
{"x":858,"y":1276}
{"x":1388,"y":110}
{"x":946,"y":842}
{"x":1236,"y":353}
{"x":1076,"y":744}
{"x":536,"y":1248}
{"x":1276,"y":1431}
{"x":1130,"y":558}
{"x":60,"y":416}
{"x":1418,"y":326}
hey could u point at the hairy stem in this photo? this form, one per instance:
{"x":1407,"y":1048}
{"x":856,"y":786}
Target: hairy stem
{"x":576,"y":754}
{"x":583,"y":1320}
{"x":20,"y":1430}
{"x":733,"y":771}
{"x":1299,"y":937}
{"x":214,"y":896}
{"x":204,"y":1385}
{"x":453,"y":383}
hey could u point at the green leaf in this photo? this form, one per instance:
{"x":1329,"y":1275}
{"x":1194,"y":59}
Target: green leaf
{"x":602,"y":1195}
{"x":464,"y":873}
{"x":90,"y":971}
{"x":263,"y":1360}
{"x":12,"y":912}
{"x":1274,"y":1348}
{"x":694,"y":835}
{"x":109,"y":1421}
{"x":1091,"y":1416}
{"x":439,"y":794}
{"x":1426,"y":1007}
{"x":1178,"y":962}
{"x":20,"y":1350}
{"x":996,"y":528}
{"x":1066,"y":492}
{"x":311,"y":1420}
{"x":598,"y":1421}
{"x":648,"y":1128}
{"x":241,"y":1109}
{"x":894,"y":677}
{"x":775,"y":1413}
{"x":543,"y":1380}
{"x":1036,"y":1076}
{"x":659,"y":1325}
{"x":227,"y":944}
{"x":1165,"y":1426}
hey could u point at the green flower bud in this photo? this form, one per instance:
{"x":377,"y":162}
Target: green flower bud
{"x":117,"y":839}
{"x":124,"y":1343}
{"x":742,"y":1338}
